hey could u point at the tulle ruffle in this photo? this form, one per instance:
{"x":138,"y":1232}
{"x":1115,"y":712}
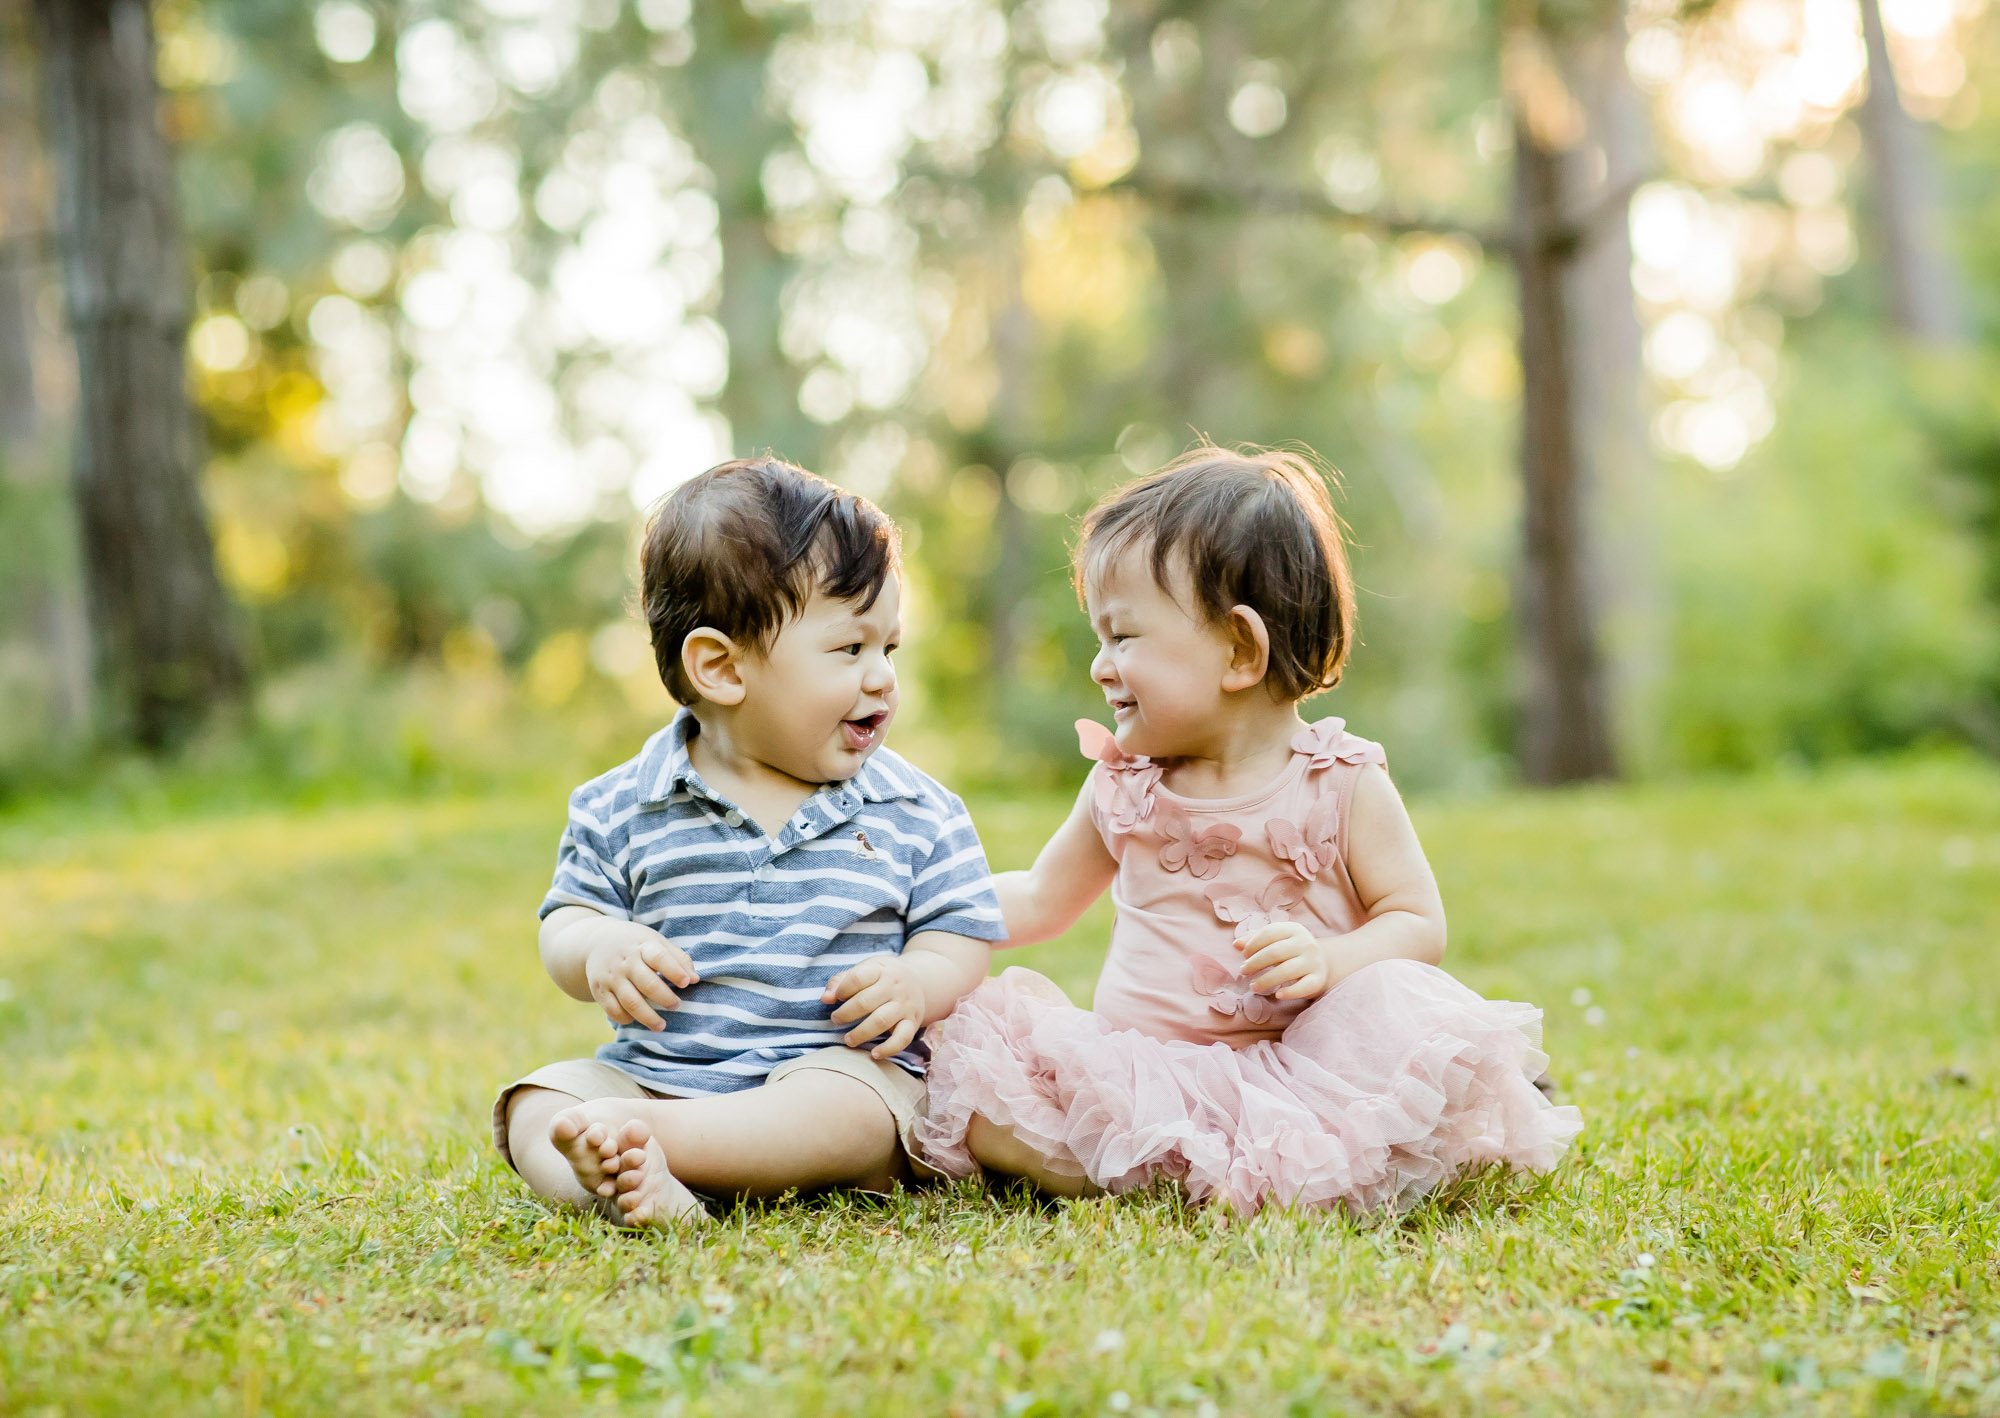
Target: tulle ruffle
{"x":1395,"y":1081}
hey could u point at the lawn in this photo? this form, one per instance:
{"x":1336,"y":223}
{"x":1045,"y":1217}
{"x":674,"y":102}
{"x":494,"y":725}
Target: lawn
{"x":247,"y":1057}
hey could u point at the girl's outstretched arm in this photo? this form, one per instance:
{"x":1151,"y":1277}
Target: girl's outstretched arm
{"x":1393,"y":879}
{"x":1071,"y":871}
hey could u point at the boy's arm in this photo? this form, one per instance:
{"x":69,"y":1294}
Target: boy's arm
{"x":902,"y":993}
{"x":616,"y":964}
{"x":1069,"y":873}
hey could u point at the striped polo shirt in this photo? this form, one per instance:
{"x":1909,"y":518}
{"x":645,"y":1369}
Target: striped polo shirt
{"x":861,"y":867}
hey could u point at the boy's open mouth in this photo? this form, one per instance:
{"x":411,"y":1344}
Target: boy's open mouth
{"x":1121,"y":707}
{"x":863,"y":732}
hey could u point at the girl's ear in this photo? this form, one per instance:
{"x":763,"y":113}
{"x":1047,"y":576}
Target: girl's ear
{"x":1249,"y":649}
{"x":712,"y":663}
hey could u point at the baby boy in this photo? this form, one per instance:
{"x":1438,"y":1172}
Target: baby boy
{"x":765,"y":889}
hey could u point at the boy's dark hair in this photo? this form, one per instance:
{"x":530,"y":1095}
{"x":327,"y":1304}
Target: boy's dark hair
{"x":742,"y":547}
{"x":1250,"y":527}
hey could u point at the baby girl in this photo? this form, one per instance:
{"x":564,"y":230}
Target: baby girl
{"x":1271,"y":1024}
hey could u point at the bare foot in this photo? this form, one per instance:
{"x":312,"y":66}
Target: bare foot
{"x":648,"y":1193}
{"x":591,"y":1149}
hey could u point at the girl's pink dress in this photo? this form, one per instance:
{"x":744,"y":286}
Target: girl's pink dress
{"x":1394,"y":1081}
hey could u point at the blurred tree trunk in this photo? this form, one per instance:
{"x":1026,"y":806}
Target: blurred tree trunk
{"x":20,"y":232}
{"x":734,"y":130}
{"x":1620,"y":482}
{"x":1925,"y":302}
{"x":1010,"y":434}
{"x":1565,"y":727}
{"x":29,"y":447}
{"x":165,"y":637}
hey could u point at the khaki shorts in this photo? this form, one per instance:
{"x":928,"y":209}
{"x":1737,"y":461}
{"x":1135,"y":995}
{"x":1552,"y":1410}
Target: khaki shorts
{"x":902,"y":1093}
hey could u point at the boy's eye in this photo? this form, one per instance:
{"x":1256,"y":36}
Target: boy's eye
{"x":854,"y":649}
{"x":891,"y":648}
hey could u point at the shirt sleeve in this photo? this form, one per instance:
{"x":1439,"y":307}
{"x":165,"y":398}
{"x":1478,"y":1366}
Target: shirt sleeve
{"x":952,"y":889}
{"x":588,"y":864}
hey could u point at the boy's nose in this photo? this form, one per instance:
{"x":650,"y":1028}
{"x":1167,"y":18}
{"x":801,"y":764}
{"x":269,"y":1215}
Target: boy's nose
{"x":1100,"y":667}
{"x":880,"y":677}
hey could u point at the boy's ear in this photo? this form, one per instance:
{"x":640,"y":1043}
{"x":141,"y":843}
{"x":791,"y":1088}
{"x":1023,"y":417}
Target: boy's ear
{"x":712,"y":663}
{"x":1249,"y":649}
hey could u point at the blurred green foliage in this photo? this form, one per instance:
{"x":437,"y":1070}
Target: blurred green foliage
{"x":1833,"y":594}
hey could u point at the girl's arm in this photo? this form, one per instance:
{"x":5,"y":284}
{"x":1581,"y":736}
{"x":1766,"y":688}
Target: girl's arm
{"x":1393,"y":877}
{"x":1394,"y":881}
{"x":1071,"y":871}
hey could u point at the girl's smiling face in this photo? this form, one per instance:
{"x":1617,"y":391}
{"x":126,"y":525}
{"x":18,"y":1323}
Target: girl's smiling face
{"x":1165,"y":672}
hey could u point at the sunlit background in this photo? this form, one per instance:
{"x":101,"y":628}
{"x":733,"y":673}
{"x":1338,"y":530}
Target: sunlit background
{"x":477,"y":282}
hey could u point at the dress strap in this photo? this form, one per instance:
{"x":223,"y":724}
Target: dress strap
{"x":1327,"y":744}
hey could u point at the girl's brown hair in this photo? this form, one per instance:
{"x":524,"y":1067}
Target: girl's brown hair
{"x":1249,"y":527}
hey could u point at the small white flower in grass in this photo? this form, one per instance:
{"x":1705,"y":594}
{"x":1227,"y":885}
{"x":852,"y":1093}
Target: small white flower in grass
{"x":1580,"y":996}
{"x":1587,"y":1076}
{"x":1645,"y":1260}
{"x":1108,"y":1341}
{"x":1631,"y":1052}
{"x":1594,"y":1016}
{"x":1118,"y":1401}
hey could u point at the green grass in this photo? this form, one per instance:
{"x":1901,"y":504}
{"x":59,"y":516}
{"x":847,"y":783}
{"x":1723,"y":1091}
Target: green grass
{"x":246,"y":1057}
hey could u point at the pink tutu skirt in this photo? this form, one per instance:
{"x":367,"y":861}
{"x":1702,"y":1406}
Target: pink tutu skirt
{"x":1396,"y":1080}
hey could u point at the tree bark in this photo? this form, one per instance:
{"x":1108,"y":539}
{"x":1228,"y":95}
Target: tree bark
{"x":1619,"y":473}
{"x":1011,"y":428}
{"x":1565,"y":733}
{"x":163,"y":629}
{"x":1924,"y":297}
{"x":734,"y":130}
{"x":20,"y":237}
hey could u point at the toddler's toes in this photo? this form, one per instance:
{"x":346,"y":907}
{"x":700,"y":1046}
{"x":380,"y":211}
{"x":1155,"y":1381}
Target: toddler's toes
{"x":583,"y":1145}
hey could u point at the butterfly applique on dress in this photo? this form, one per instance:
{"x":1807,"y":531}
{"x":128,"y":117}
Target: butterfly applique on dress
{"x":1126,"y":792}
{"x":1199,"y":851}
{"x":1250,"y":913}
{"x":1307,"y":846}
{"x":1326,"y":742}
{"x":1227,"y":992}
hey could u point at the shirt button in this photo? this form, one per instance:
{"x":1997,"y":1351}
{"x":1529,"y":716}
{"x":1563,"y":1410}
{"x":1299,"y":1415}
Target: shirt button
{"x":733,"y":818}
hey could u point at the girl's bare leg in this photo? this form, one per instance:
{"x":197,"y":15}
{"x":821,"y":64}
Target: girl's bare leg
{"x":998,"y":1150}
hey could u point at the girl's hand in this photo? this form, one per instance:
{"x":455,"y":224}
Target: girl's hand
{"x":887,"y":996}
{"x":624,"y":968}
{"x":1285,"y":961}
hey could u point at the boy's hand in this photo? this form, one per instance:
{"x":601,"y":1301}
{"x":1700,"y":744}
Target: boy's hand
{"x":1285,"y":961}
{"x":886,"y":995}
{"x":623,"y":971}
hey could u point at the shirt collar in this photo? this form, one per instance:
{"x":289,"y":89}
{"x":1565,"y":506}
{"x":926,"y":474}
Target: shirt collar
{"x":664,"y":765}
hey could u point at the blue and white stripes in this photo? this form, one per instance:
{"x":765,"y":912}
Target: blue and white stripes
{"x":862,"y":866}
